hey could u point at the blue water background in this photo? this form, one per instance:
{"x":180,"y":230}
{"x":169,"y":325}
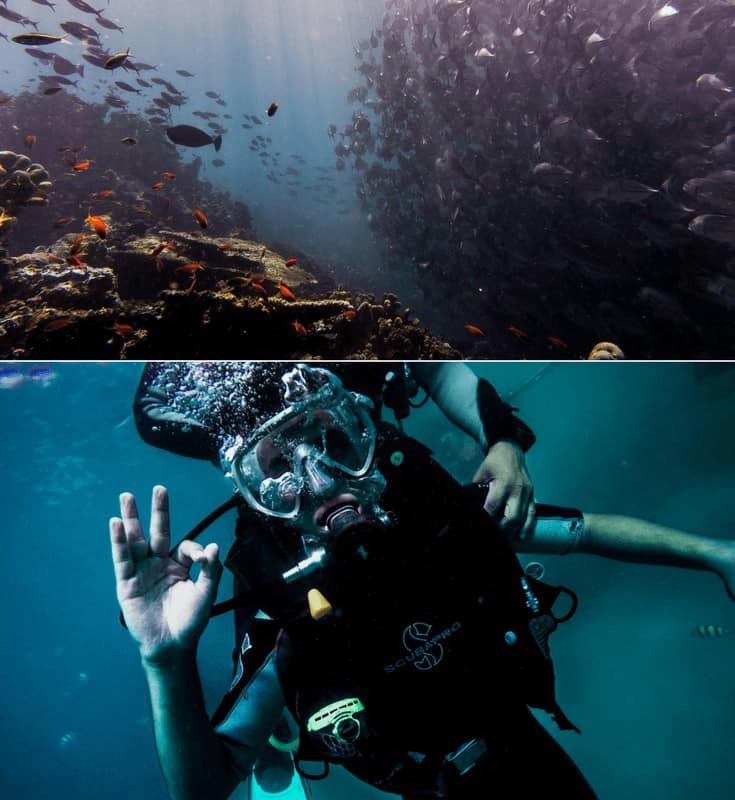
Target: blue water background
{"x":655,"y":704}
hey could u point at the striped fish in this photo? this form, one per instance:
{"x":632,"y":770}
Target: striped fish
{"x":711,"y":631}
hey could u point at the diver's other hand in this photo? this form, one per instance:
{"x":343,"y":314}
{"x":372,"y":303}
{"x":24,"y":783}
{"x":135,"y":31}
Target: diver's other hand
{"x":164,"y":609}
{"x":509,"y":498}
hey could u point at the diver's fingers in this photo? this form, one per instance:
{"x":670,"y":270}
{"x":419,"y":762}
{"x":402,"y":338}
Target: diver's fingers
{"x":516,"y":507}
{"x":208,"y":578}
{"x":511,"y":514}
{"x":160,"y":534}
{"x":133,"y":530}
{"x":187,"y":553}
{"x":495,"y":498}
{"x":480,"y":474}
{"x":530,"y":523}
{"x":122,"y":558}
{"x":525,"y":498}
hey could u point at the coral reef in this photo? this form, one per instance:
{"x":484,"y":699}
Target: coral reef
{"x":172,"y":294}
{"x":22,"y":183}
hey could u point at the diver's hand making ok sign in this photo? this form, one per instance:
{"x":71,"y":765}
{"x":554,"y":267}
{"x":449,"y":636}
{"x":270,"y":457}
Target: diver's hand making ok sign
{"x":164,"y":609}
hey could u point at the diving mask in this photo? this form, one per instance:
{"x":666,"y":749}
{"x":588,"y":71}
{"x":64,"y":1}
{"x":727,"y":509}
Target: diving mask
{"x":311,"y":463}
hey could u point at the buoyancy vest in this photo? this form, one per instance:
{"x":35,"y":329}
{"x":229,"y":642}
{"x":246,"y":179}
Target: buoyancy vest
{"x":436,"y":637}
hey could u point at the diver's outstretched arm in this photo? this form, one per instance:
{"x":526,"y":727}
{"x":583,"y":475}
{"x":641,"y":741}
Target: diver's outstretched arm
{"x":638,"y":540}
{"x":165,"y":612}
{"x":193,"y":761}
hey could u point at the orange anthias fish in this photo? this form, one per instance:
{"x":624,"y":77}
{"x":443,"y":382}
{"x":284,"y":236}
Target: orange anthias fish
{"x":102,"y":194}
{"x":170,"y":176}
{"x":200,"y":218}
{"x":190,"y":269}
{"x":259,"y":288}
{"x":291,"y":261}
{"x":98,"y":225}
{"x":161,"y":246}
{"x":286,"y":292}
{"x":58,"y":323}
{"x":349,"y":313}
{"x":518,"y":333}
{"x":474,"y":330}
{"x":76,"y":244}
{"x":157,"y":185}
{"x":224,"y":247}
{"x":5,"y":218}
{"x":299,"y":328}
{"x":121,"y":329}
{"x":30,"y":140}
{"x":81,"y":166}
{"x":560,"y":343}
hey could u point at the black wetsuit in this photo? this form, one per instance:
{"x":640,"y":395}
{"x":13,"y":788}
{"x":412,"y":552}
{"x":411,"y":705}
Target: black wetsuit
{"x":432,"y":633}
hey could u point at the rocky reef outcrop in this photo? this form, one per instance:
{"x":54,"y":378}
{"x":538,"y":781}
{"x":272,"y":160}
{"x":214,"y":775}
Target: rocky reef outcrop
{"x":168,"y":294}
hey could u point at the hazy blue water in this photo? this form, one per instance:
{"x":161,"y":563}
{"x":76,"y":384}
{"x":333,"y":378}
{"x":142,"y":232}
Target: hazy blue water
{"x":654,"y":704}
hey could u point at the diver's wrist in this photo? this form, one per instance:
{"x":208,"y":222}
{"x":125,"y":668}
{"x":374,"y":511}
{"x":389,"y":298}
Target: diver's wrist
{"x":170,"y":659}
{"x":506,"y":442}
{"x":711,"y":557}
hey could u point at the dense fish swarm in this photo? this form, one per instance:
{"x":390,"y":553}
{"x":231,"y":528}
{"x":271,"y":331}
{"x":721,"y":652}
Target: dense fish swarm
{"x":568,"y":168}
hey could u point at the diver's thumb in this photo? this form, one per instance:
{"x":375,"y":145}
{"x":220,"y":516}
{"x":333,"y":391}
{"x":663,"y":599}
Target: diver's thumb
{"x":211,"y":571}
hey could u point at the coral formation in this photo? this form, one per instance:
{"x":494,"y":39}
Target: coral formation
{"x":174,"y":294}
{"x":22,"y":183}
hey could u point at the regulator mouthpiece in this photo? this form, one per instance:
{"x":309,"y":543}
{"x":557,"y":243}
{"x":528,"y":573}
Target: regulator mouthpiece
{"x":341,"y":517}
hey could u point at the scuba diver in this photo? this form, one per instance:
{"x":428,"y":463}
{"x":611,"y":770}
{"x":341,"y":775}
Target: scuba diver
{"x":382,"y":614}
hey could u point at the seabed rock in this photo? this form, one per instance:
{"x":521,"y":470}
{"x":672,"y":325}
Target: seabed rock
{"x":176,"y":295}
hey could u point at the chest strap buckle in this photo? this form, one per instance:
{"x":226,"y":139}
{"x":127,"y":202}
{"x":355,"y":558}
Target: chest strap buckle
{"x":465,"y":756}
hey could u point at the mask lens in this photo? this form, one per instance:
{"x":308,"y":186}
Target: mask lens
{"x":272,"y":470}
{"x":273,"y":456}
{"x":280,"y":494}
{"x":341,"y":449}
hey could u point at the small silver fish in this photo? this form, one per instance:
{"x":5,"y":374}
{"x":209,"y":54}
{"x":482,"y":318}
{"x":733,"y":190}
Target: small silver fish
{"x":36,"y":39}
{"x":113,"y":62}
{"x":711,"y":631}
